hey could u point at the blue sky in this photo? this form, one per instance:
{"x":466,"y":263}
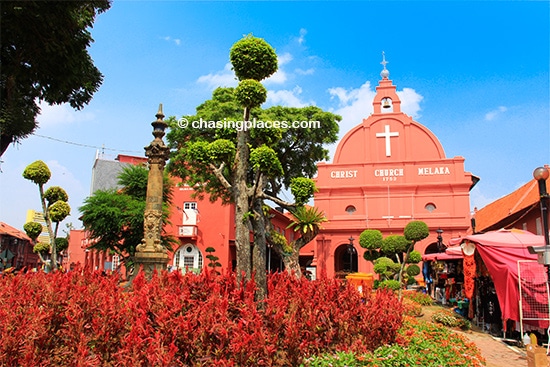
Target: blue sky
{"x":476,"y":73}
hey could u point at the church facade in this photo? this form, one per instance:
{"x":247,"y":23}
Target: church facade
{"x":386,"y":172}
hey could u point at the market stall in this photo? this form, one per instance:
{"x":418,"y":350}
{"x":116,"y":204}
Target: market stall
{"x":492,"y":262}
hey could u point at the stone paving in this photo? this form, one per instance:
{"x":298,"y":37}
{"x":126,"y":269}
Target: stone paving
{"x":495,"y":351}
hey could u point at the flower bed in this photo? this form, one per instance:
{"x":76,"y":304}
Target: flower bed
{"x":70,"y":319}
{"x":419,"y":344}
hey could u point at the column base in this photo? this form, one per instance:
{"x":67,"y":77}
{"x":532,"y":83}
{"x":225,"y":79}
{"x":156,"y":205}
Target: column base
{"x":148,"y":262}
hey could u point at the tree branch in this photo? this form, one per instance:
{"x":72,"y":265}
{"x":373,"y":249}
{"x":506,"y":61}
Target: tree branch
{"x":219,"y":175}
{"x":276,"y":200}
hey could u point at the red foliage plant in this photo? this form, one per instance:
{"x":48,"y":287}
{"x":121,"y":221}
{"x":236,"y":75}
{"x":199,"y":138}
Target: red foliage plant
{"x":76,"y":319}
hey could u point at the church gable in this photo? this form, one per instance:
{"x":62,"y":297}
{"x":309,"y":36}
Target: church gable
{"x":386,"y":138}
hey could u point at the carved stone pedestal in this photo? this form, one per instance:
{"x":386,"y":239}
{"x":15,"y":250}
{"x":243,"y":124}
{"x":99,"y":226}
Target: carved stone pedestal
{"x":148,"y":262}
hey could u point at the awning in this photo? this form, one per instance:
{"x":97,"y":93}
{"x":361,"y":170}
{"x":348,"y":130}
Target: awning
{"x":441,"y":256}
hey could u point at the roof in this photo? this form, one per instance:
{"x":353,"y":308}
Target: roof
{"x":13,"y":232}
{"x":523,"y":198}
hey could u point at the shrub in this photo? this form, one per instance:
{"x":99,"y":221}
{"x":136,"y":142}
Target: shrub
{"x":65,"y":319}
{"x":450,"y":319}
{"x":390,"y":284}
{"x":419,"y":297}
{"x":421,"y":344}
{"x":411,"y":308}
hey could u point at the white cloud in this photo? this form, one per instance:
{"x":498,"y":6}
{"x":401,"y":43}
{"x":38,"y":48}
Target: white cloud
{"x":280,"y":75}
{"x":177,"y":41}
{"x":284,"y":59}
{"x":60,"y":115}
{"x":495,"y":113}
{"x":309,"y":71}
{"x":302,"y":37}
{"x":410,"y":102}
{"x":289,"y":98}
{"x":224,"y":78}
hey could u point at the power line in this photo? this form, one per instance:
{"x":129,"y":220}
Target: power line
{"x":86,"y":145}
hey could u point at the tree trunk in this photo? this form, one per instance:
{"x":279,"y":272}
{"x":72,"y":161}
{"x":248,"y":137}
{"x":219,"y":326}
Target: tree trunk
{"x":53,"y":249}
{"x":240,"y":195}
{"x":259,"y":250}
{"x":405,"y":258}
{"x":292,"y":263}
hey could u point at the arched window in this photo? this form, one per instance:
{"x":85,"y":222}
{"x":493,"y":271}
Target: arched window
{"x":430,"y":207}
{"x":350,"y":209}
{"x":188,"y":258}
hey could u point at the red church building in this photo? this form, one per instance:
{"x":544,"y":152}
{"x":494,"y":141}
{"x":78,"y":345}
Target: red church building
{"x":387,"y":171}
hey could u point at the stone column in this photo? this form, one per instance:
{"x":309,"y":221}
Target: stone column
{"x":150,"y":254}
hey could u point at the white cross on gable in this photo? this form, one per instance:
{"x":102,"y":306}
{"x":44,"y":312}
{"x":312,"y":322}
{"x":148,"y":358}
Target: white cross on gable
{"x":387,"y":135}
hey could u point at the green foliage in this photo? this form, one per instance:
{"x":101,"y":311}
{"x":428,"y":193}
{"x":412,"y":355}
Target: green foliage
{"x":451,"y":319}
{"x":279,"y":240}
{"x":264,"y":159}
{"x":414,"y":257}
{"x":385,"y":267}
{"x":298,"y":150}
{"x":221,"y":150}
{"x":47,"y":61}
{"x":253,"y":58}
{"x":250,"y":93}
{"x":59,"y":211}
{"x":306,"y":218}
{"x":394,"y":244}
{"x":114,"y":218}
{"x":55,"y":193}
{"x":114,"y":221}
{"x":371,"y":255}
{"x":37,"y":172}
{"x":302,"y":189}
{"x":413,"y":270}
{"x":61,"y":244}
{"x":41,"y":247}
{"x":421,"y":346}
{"x":390,"y":284}
{"x":422,"y":299}
{"x":133,"y":179}
{"x":213,"y":259}
{"x":33,"y":229}
{"x":371,"y":239}
{"x":416,"y":231}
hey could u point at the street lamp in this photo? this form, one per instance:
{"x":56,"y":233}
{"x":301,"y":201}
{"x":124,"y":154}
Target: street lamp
{"x":351,"y":251}
{"x":541,"y":175}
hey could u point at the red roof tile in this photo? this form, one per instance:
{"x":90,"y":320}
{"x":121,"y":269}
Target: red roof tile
{"x":527,"y":195}
{"x":14,"y":232}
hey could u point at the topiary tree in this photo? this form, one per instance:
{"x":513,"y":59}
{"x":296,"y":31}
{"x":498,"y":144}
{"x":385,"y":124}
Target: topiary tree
{"x":54,"y":208}
{"x":394,"y":257}
{"x":252,"y":59}
{"x":414,"y":231}
{"x":213,"y":259}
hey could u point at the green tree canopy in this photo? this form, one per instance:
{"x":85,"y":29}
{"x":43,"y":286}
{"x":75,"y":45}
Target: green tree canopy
{"x":44,"y":58}
{"x":114,"y":218}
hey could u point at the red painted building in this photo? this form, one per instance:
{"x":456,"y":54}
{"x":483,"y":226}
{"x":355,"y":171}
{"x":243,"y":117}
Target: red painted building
{"x":387,"y":171}
{"x":520,"y":210}
{"x":196,"y":224}
{"x":16,"y":249}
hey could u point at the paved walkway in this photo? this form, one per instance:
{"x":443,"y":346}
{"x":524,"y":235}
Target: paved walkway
{"x":496,"y":352}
